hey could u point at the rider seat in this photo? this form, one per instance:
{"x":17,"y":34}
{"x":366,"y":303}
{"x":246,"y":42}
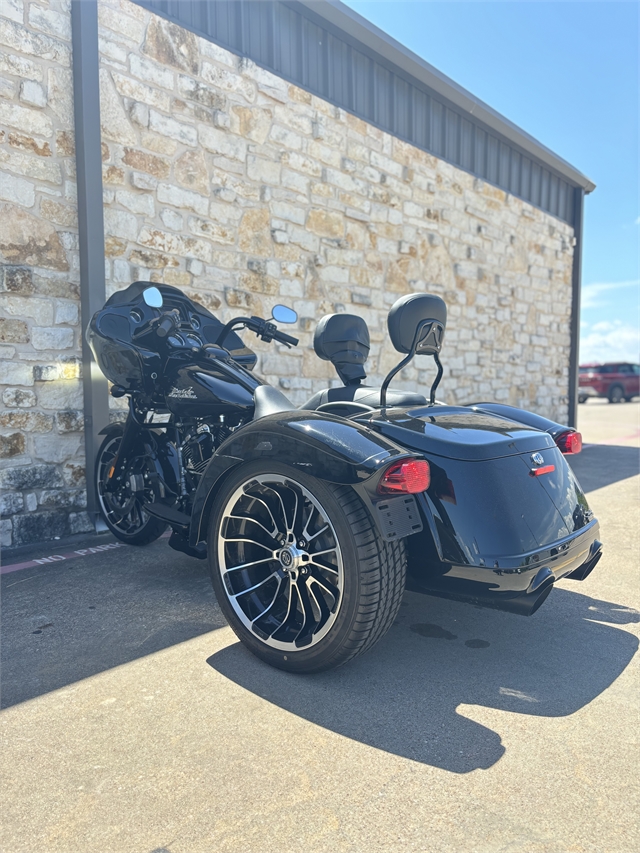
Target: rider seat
{"x":343,"y":339}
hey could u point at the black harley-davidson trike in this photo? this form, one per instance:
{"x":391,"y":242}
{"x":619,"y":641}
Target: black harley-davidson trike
{"x":315,"y":519}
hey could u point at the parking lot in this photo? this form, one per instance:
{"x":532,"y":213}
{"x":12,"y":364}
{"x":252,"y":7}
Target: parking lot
{"x":134,"y":721}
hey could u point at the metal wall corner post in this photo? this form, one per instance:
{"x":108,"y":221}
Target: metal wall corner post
{"x":576,"y":284}
{"x":86,"y":95}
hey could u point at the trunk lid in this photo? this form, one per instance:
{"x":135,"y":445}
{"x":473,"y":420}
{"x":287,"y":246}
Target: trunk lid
{"x":485,"y":500}
{"x":456,"y":432}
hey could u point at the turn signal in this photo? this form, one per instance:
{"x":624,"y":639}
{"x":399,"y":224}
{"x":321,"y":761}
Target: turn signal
{"x":409,"y":478}
{"x":569,"y":442}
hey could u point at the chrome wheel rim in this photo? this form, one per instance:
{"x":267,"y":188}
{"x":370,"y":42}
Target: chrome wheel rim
{"x":280,"y":562}
{"x":123,"y":507}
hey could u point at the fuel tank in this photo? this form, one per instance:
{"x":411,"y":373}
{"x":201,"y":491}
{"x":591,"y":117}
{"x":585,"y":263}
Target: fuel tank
{"x":209,"y":390}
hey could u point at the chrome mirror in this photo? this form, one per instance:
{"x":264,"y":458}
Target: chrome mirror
{"x":282,"y":314}
{"x":152,"y":297}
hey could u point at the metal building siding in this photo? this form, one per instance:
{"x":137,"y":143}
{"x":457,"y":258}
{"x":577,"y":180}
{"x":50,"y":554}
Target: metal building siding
{"x":287,"y":39}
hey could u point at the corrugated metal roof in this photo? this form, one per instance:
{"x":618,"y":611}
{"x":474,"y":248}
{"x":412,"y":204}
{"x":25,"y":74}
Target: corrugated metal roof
{"x":330,"y":50}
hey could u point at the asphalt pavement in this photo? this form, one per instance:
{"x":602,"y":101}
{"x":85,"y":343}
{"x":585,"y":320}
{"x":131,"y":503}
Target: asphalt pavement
{"x":134,"y":722}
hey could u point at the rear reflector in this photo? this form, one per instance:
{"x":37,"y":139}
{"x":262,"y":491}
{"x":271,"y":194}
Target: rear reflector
{"x":569,"y":442}
{"x":408,"y":477}
{"x":546,"y":469}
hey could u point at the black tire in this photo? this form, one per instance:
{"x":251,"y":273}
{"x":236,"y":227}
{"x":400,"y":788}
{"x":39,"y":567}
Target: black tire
{"x":582,"y":398}
{"x":356,"y":590}
{"x":135,"y":526}
{"x":616,"y":394}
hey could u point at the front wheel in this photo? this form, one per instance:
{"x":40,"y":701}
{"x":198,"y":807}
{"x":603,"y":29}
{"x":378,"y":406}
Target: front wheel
{"x":122,"y":508}
{"x":299,"y":568}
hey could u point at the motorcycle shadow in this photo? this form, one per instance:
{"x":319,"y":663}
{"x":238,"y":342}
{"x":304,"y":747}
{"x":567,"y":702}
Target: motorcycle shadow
{"x":403,"y":696}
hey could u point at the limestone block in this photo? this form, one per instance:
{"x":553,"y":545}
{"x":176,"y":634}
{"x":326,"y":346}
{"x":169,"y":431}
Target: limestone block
{"x":26,"y":119}
{"x":148,"y":95}
{"x":301,"y":237}
{"x":170,"y":44}
{"x":15,"y":372}
{"x":325,"y":223}
{"x":174,"y":129}
{"x":79,"y":522}
{"x":136,"y":202}
{"x":17,"y":190}
{"x":12,"y":445}
{"x":262,"y":170}
{"x":39,"y":168}
{"x":227,"y":81}
{"x":18,"y":397}
{"x":119,"y":223}
{"x":51,"y":339}
{"x":144,"y":162}
{"x":67,"y":312}
{"x":39,"y":310}
{"x":114,"y":120}
{"x":40,"y":526}
{"x":171,"y":219}
{"x":212,"y":231}
{"x":158,"y":75}
{"x":174,"y":244}
{"x":32,"y":93}
{"x":110,"y":49}
{"x":10,"y":504}
{"x":60,"y":395}
{"x":26,"y":421}
{"x":225,"y":213}
{"x":121,"y":23}
{"x":22,"y":40}
{"x":6,"y":538}
{"x":195,"y":90}
{"x":26,"y":239}
{"x":191,"y":171}
{"x":254,"y":232}
{"x":60,"y":214}
{"x":222,"y":142}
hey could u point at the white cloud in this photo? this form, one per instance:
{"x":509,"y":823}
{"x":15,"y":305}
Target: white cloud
{"x":592,"y":292}
{"x":610,"y":341}
{"x":638,"y":221}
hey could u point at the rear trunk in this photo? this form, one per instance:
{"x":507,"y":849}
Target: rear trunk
{"x":499,"y":533}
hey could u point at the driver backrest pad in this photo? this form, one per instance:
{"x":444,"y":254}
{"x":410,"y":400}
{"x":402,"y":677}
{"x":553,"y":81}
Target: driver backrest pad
{"x":343,"y":339}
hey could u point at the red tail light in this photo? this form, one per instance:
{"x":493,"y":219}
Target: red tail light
{"x":408,"y":477}
{"x":569,"y":442}
{"x":547,"y":469}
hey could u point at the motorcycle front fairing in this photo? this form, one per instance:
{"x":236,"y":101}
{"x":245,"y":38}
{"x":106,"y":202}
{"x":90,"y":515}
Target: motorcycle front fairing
{"x":504,"y":516}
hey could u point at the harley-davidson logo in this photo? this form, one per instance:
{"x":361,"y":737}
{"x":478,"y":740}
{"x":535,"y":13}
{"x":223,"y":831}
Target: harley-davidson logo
{"x":537,"y":458}
{"x":183,"y":394}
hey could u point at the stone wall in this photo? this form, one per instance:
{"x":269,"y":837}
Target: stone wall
{"x":41,"y":420}
{"x":243,"y":190}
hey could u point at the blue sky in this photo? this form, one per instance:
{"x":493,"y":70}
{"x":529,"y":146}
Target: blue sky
{"x":566,"y":72}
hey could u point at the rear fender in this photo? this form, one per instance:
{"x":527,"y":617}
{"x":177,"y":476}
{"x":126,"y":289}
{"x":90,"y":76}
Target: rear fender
{"x":327,"y":447}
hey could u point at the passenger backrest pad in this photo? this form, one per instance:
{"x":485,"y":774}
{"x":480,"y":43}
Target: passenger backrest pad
{"x":343,"y":339}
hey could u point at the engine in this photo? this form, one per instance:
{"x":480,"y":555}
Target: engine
{"x":200,"y":445}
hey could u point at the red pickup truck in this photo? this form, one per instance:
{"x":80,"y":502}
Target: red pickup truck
{"x":617,"y":381}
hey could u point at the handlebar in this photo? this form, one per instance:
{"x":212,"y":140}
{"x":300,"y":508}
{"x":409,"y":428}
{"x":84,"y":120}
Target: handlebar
{"x":286,"y":339}
{"x":263,"y":328}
